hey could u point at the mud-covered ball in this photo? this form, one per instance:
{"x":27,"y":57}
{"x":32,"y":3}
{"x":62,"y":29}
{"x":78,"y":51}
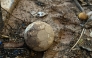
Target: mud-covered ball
{"x":39,"y":36}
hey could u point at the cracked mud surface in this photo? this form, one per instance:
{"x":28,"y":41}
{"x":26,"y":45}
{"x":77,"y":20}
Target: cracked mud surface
{"x":62,"y":16}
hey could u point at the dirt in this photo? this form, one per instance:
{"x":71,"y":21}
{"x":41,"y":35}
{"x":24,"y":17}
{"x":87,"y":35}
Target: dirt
{"x":62,"y":16}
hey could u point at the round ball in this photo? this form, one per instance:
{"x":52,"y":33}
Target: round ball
{"x":83,"y":16}
{"x":39,"y":36}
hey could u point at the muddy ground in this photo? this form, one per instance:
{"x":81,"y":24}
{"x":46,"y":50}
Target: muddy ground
{"x":62,"y":16}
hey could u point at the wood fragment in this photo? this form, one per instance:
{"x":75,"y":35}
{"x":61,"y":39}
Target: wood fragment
{"x":83,"y":30}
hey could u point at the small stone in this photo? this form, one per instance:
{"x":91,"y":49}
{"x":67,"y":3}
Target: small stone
{"x":89,"y":15}
{"x":38,"y":14}
{"x":39,"y":36}
{"x":41,"y":14}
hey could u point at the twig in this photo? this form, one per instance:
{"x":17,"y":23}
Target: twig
{"x":78,"y":39}
{"x":79,"y":6}
{"x":4,"y":36}
{"x":83,"y":30}
{"x":10,"y":13}
{"x":1,"y":20}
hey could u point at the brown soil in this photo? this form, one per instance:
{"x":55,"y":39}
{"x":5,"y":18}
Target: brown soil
{"x":62,"y":16}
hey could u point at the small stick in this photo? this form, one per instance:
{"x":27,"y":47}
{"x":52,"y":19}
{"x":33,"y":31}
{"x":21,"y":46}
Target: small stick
{"x":10,"y":13}
{"x":79,"y":6}
{"x":83,"y":30}
{"x":5,"y":36}
{"x":78,"y":39}
{"x":1,"y":20}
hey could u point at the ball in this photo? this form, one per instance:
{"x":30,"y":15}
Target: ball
{"x":39,"y":36}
